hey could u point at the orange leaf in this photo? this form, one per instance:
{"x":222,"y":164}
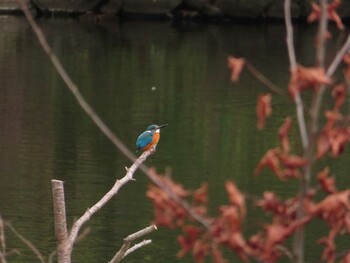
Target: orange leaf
{"x":327,"y":183}
{"x":323,"y":146}
{"x":270,"y":160}
{"x":315,"y":13}
{"x":346,"y":60}
{"x":312,"y":76}
{"x":306,"y":78}
{"x":236,"y":66}
{"x":339,"y":93}
{"x":283,"y":134}
{"x":236,"y":197}
{"x":263,"y":109}
{"x":200,"y":195}
{"x":346,"y":259}
{"x":332,"y":13}
{"x":293,"y":161}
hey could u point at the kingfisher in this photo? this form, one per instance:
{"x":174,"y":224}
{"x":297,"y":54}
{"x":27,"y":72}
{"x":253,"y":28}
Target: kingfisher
{"x":149,"y":138}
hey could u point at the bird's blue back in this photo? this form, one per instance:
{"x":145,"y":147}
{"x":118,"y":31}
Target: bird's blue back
{"x":144,"y":139}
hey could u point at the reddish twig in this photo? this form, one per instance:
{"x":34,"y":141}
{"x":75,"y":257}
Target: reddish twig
{"x":268,"y":83}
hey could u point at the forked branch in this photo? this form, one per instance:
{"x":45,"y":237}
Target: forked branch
{"x":125,"y":249}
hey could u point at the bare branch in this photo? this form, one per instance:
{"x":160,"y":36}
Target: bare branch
{"x":289,"y":38}
{"x":141,"y":233}
{"x":114,"y":190}
{"x":137,"y":246}
{"x":293,"y":68}
{"x":338,"y":58}
{"x":26,"y":242}
{"x":321,"y":35}
{"x":124,"y":250}
{"x":63,"y":248}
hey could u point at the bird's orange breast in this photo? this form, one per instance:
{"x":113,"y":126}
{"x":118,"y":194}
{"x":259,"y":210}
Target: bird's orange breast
{"x":155,"y":140}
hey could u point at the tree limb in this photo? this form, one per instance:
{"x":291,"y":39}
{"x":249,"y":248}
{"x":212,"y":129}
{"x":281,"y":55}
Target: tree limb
{"x":63,"y":248}
{"x":137,"y":246}
{"x":114,"y":190}
{"x":125,"y":250}
{"x":293,"y":68}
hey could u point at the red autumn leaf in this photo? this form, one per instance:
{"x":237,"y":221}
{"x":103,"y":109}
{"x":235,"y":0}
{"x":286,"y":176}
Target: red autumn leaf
{"x":266,"y":244}
{"x":312,"y":76}
{"x":306,"y":78}
{"x":339,"y":94}
{"x":293,"y":161}
{"x":200,"y":195}
{"x":315,"y":13}
{"x":226,"y":229}
{"x":332,"y":13}
{"x":346,"y":259}
{"x":323,"y":146}
{"x":283,"y":211}
{"x":332,"y":118}
{"x":327,"y":183}
{"x":346,"y":60}
{"x":283,"y":133}
{"x":263,"y":109}
{"x":328,"y":254}
{"x":338,"y":139}
{"x":333,"y":209}
{"x":187,"y":242}
{"x":270,"y":160}
{"x":217,"y":256}
{"x":236,"y":66}
{"x":236,"y":197}
{"x":293,"y":86}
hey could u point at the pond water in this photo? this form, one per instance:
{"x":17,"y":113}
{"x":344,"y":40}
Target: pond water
{"x":134,"y":74}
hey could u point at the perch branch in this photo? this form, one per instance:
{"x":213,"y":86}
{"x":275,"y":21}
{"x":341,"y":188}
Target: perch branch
{"x":112,"y":192}
{"x":124,"y":250}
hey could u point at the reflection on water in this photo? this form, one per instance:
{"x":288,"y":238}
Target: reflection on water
{"x":133,"y":74}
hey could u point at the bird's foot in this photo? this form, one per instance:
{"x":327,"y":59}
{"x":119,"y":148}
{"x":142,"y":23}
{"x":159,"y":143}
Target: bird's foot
{"x":153,"y":150}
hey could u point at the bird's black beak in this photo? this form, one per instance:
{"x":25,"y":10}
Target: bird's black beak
{"x":162,"y":126}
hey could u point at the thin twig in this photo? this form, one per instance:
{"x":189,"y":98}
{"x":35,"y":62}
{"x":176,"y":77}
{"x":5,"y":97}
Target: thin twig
{"x":338,"y":58}
{"x":141,"y":233}
{"x":125,"y":249}
{"x":320,"y":61}
{"x":268,"y":83}
{"x":26,"y":242}
{"x":321,"y":36}
{"x":293,"y":69}
{"x":137,"y":246}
